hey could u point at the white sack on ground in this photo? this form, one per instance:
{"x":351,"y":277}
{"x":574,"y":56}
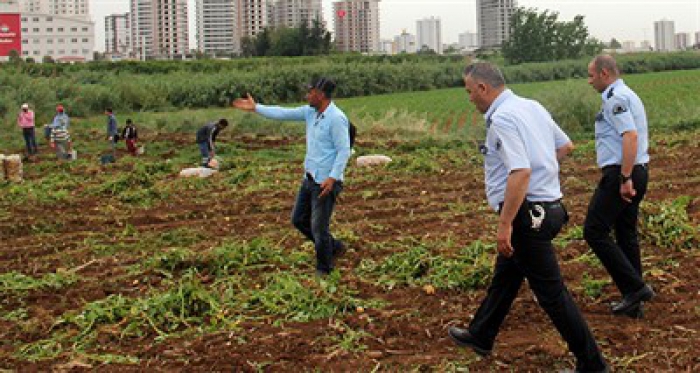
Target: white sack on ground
{"x":372,"y":160}
{"x":197,"y":172}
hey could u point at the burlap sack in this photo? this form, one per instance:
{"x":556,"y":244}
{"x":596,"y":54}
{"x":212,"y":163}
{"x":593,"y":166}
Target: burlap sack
{"x":2,"y":167}
{"x":13,"y":168}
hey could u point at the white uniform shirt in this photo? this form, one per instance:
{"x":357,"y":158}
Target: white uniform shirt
{"x":622,"y":111}
{"x":521,"y":134}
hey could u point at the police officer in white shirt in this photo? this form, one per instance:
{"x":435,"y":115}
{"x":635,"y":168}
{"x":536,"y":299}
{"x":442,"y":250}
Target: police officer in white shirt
{"x":622,"y":142}
{"x":521,"y":157}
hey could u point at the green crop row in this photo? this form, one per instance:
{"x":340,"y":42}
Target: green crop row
{"x":157,"y":86}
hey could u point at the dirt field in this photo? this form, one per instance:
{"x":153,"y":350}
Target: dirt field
{"x":101,"y":240}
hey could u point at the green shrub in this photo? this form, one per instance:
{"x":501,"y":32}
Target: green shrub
{"x":667,"y":225}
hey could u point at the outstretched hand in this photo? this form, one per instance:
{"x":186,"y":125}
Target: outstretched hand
{"x":245,"y":104}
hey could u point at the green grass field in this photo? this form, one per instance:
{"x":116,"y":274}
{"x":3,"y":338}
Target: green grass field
{"x":128,"y":267}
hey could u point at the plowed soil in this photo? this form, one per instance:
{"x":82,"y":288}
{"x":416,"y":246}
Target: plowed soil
{"x":409,"y":333}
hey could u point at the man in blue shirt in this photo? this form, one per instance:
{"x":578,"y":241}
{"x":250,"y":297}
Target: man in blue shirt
{"x":112,"y":130}
{"x":327,"y":154}
{"x":622,"y":142}
{"x":522,"y":152}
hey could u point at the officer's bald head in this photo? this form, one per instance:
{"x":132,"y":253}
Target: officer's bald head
{"x":484,"y":72}
{"x":606,"y":62}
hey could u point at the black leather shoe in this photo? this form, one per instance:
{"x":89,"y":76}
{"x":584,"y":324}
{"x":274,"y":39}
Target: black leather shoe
{"x":463,"y":338}
{"x":634,"y":312}
{"x":631,"y":301}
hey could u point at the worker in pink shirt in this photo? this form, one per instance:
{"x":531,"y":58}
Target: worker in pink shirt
{"x":25,"y":120}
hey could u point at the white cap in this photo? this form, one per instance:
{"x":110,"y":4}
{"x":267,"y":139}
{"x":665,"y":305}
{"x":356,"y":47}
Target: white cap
{"x":25,"y":106}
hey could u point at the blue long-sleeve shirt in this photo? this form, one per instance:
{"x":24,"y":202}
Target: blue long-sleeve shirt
{"x":327,"y":138}
{"x":61,"y":120}
{"x":112,"y":126}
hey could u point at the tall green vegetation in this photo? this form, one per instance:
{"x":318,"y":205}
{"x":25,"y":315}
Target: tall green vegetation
{"x":165,"y":85}
{"x":538,"y":37}
{"x":285,"y":41}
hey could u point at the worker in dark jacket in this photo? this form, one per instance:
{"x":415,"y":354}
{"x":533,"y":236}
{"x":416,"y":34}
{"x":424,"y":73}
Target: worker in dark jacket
{"x":130,"y":136}
{"x":206,"y":137}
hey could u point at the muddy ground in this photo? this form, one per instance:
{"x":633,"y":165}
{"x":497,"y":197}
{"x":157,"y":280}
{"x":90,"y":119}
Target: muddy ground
{"x":409,"y":332}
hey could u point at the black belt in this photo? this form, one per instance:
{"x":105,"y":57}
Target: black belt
{"x":617,"y":166}
{"x":545,"y":204}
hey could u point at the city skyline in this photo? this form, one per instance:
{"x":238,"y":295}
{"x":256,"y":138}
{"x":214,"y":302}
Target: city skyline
{"x":622,"y":19}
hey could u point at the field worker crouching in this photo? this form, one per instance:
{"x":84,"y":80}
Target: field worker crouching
{"x":327,"y":154}
{"x":206,"y":140}
{"x":522,"y":152}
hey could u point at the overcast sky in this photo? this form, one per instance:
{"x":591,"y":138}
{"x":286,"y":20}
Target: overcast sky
{"x":622,"y":19}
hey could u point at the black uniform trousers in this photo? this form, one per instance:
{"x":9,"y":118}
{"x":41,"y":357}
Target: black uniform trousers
{"x":607,"y":211}
{"x":534,"y":258}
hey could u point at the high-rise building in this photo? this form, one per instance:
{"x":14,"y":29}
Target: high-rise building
{"x":405,"y":43}
{"x":252,"y":16}
{"x":216,"y":27}
{"x":292,"y":13}
{"x":629,"y":46}
{"x":118,"y":35}
{"x":493,"y":21}
{"x":682,"y":40}
{"x":429,"y":34}
{"x":387,"y":47}
{"x":64,"y":39}
{"x":664,"y":35}
{"x":697,"y":38}
{"x":645,"y":45}
{"x":469,"y":41}
{"x":356,"y":25}
{"x":159,"y":29}
{"x":66,"y":8}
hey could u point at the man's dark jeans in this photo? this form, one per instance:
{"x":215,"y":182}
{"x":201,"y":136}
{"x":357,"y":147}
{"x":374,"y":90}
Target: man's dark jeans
{"x":534,"y":258}
{"x":312,"y":217}
{"x":205,"y":151}
{"x":607,"y":211}
{"x":30,"y":140}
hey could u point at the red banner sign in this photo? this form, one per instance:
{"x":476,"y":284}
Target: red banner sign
{"x":10,"y":34}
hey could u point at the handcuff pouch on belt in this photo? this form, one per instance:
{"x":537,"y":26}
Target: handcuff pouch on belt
{"x":537,"y":214}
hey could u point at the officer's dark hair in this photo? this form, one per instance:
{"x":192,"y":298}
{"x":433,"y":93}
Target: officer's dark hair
{"x":109,"y":110}
{"x":606,"y":62}
{"x":485,"y":72}
{"x":128,"y":121}
{"x":223,"y":122}
{"x":325,"y":85}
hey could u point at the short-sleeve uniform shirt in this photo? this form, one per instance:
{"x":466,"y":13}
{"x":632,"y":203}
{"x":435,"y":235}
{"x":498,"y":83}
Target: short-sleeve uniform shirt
{"x":521,"y":134}
{"x":622,"y":111}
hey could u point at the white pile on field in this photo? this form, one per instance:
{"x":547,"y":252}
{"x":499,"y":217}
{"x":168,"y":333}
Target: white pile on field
{"x":12,"y":165}
{"x":372,"y":160}
{"x":197,"y":172}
